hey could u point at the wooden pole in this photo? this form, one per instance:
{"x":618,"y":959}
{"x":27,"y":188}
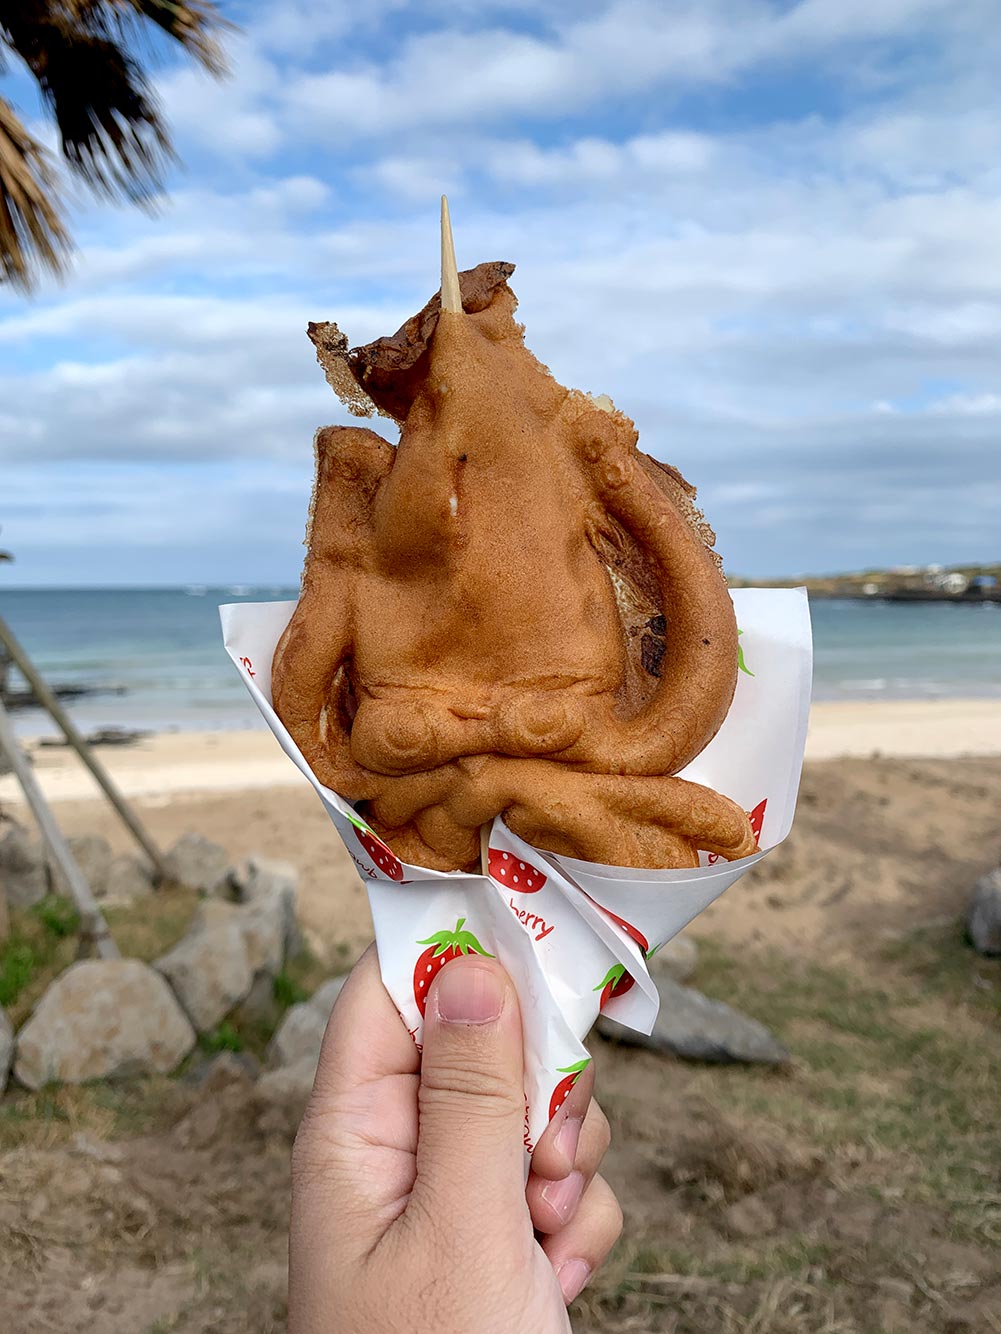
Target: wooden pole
{"x":103,"y":779}
{"x":93,"y":928}
{"x":451,"y":297}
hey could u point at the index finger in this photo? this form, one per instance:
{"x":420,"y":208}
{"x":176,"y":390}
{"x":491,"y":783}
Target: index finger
{"x":366,"y":1040}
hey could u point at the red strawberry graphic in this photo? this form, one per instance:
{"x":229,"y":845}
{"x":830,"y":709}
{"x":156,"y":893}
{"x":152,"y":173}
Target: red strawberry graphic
{"x":386,"y":860}
{"x":443,"y":947}
{"x":628,"y":928}
{"x":513,"y":873}
{"x":757,"y":818}
{"x":616,"y":982}
{"x":562,"y":1090}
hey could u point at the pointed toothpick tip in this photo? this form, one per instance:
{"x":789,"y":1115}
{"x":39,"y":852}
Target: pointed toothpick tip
{"x":451,"y":297}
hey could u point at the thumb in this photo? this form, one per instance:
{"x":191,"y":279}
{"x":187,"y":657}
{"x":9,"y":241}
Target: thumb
{"x":470,"y":1151}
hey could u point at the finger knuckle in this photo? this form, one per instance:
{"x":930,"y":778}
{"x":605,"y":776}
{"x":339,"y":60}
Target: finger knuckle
{"x":610,"y":1216}
{"x":600,"y":1131}
{"x":452,"y":1082}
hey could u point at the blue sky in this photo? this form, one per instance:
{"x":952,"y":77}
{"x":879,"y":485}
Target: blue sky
{"x":771,"y":231}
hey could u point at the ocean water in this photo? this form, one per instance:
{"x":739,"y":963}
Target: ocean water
{"x":156,"y":655}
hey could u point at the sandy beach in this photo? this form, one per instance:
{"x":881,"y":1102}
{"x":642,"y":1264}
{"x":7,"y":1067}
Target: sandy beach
{"x":162,"y":765}
{"x":886,"y":787}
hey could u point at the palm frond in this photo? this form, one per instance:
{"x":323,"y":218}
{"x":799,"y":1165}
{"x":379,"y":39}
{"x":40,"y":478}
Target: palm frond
{"x":109,"y":125}
{"x":194,"y":24}
{"x":31,"y":230}
{"x":89,"y":61}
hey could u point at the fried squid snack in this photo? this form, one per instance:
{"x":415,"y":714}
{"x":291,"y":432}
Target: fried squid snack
{"x":513,"y":611}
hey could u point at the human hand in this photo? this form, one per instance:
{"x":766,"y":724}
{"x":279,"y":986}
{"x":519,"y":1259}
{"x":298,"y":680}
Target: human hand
{"x":409,"y":1205}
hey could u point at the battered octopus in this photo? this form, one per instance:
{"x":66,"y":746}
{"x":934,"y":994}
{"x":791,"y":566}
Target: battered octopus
{"x":511,"y":612}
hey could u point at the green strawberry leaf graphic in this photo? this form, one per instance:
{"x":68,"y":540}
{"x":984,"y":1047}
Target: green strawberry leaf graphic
{"x":614,"y":975}
{"x":464,"y":942}
{"x":575,"y":1069}
{"x":358,"y":822}
{"x":741,"y":664}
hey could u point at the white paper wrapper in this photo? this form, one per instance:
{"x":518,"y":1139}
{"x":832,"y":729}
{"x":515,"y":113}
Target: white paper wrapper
{"x":560,"y":926}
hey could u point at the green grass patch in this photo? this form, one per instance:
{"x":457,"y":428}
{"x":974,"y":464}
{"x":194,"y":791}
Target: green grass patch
{"x":105,"y":1109}
{"x":288,"y":990}
{"x":43,"y":941}
{"x":896,"y":1062}
{"x":17,"y":967}
{"x":58,"y":916}
{"x":224,"y":1038}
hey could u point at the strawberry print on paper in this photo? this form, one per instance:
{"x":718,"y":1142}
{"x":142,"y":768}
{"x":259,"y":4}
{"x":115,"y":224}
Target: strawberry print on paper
{"x":386,"y":860}
{"x":561,"y":1092}
{"x":757,"y":818}
{"x":615,"y":983}
{"x":513,"y":873}
{"x":443,"y":947}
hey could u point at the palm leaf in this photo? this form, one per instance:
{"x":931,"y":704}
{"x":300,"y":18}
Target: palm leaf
{"x":110,"y":126}
{"x":88,"y":58}
{"x":193,"y":24}
{"x":31,"y":230}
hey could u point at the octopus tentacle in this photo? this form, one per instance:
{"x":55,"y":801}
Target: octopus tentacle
{"x":698,"y":674}
{"x":310,"y":673}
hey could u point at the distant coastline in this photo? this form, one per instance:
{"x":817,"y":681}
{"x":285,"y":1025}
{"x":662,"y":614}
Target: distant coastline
{"x":902,"y":583}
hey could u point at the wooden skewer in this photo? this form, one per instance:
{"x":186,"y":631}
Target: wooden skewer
{"x":451,"y":297}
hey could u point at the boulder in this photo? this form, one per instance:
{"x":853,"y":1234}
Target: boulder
{"x":92,"y":854}
{"x":300,"y":1033}
{"x":197,"y":863}
{"x":678,"y":959}
{"x":265,"y":930}
{"x":209,"y":970}
{"x":100,"y":1019}
{"x":280,"y":1097}
{"x":215,"y":1073}
{"x":983,"y":922}
{"x":696,"y":1028}
{"x":257,"y":881}
{"x":6,"y":1047}
{"x":24,"y":879}
{"x":129,"y":878}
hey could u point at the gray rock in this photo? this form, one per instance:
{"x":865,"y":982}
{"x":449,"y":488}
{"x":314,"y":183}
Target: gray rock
{"x":677,"y":959}
{"x":102,"y":1018}
{"x":262,"y":925}
{"x":692,"y":1026}
{"x":280,"y":1097}
{"x":209,"y":970}
{"x":24,"y":880}
{"x":197,"y":863}
{"x":92,"y":854}
{"x":300,"y":1033}
{"x":215,"y":1073}
{"x":264,"y":929}
{"x":984,"y":920}
{"x":260,"y":1006}
{"x":6,"y":1047}
{"x":326,"y":993}
{"x":129,"y":878}
{"x":257,"y":881}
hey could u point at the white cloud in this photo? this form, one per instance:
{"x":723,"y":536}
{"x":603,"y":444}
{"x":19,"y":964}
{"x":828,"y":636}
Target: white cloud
{"x":801,"y":312}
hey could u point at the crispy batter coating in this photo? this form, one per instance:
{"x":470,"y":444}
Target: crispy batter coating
{"x":513,"y":611}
